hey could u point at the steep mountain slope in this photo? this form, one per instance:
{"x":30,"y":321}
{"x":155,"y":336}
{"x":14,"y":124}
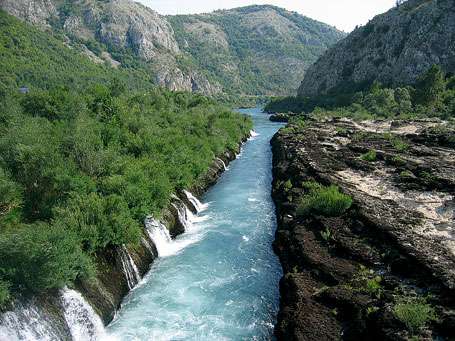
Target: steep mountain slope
{"x":258,"y":50}
{"x":255,"y":49}
{"x":393,"y":48}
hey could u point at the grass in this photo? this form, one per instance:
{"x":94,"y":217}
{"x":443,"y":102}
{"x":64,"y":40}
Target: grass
{"x":399,"y":145}
{"x":326,"y":235}
{"x":415,"y":313}
{"x":370,"y":156}
{"x":367,"y":281}
{"x":398,"y":161}
{"x":323,"y":200}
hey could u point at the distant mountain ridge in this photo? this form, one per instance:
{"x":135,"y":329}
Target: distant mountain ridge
{"x":393,"y":48}
{"x":256,"y":50}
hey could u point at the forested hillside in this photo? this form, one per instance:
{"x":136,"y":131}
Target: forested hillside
{"x":251,"y":51}
{"x":86,"y":153}
{"x":255,"y":50}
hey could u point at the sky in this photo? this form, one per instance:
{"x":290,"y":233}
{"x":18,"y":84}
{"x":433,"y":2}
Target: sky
{"x":343,"y":14}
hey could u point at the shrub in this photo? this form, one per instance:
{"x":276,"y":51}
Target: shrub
{"x":322,"y":200}
{"x":415,"y":313}
{"x":367,"y":281}
{"x":4,"y":293}
{"x":397,"y":161}
{"x":326,"y":235}
{"x":287,"y":185}
{"x":399,"y":144}
{"x":39,"y":257}
{"x":370,"y":156}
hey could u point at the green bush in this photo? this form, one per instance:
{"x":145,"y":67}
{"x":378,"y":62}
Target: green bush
{"x":370,"y":156}
{"x":399,"y":144}
{"x":398,"y":161}
{"x":322,"y":200}
{"x":4,"y":293}
{"x":39,"y":257}
{"x":415,"y":313}
{"x":287,"y":185}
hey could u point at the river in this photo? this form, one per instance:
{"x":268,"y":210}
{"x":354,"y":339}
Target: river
{"x":219,"y":280}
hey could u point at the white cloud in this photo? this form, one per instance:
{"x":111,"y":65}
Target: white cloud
{"x":344,"y":14}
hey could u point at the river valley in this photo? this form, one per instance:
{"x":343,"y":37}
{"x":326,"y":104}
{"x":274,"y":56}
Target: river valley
{"x":220,"y":279}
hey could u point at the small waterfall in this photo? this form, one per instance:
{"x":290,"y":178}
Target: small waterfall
{"x":148,"y":246}
{"x":195,"y":201}
{"x":28,"y":322}
{"x":129,"y":268}
{"x":160,"y":236}
{"x":223,"y":163}
{"x":253,"y":133}
{"x":83,"y":322}
{"x":184,"y":215}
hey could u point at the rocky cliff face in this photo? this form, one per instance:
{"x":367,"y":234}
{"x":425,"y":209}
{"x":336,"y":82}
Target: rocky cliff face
{"x":37,"y":12}
{"x":346,"y":276}
{"x":393,"y":48}
{"x":255,"y":50}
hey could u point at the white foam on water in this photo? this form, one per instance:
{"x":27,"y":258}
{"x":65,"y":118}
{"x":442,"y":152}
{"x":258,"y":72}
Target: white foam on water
{"x":160,"y":236}
{"x":223,"y":163}
{"x":26,"y":323}
{"x":83,"y":322}
{"x":195,"y":201}
{"x":129,"y":268}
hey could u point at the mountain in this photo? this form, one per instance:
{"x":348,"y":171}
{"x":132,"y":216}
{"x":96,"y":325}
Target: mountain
{"x":394,"y":48}
{"x":256,"y":50}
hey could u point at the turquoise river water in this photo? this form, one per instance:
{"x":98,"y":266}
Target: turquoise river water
{"x":219,"y":280}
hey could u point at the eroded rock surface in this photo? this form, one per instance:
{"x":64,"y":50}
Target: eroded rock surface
{"x":398,"y":236}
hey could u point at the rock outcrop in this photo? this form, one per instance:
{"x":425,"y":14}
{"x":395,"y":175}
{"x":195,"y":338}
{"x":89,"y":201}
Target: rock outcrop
{"x":345,"y":275}
{"x":37,"y":12}
{"x":393,"y":48}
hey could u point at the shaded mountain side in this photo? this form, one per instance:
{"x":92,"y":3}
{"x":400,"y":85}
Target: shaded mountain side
{"x":393,"y":48}
{"x":256,"y":50}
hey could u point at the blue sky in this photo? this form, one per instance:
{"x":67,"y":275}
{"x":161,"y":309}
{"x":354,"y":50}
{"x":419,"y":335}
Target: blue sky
{"x":343,"y":14}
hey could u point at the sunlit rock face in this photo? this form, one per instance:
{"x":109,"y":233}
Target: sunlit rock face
{"x":37,"y":12}
{"x":394,"y":48}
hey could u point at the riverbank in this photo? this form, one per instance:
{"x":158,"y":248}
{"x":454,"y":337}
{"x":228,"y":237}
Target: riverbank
{"x":119,"y":270}
{"x":383,"y":268}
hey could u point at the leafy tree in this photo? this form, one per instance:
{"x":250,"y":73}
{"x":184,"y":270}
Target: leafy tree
{"x":430,"y":87}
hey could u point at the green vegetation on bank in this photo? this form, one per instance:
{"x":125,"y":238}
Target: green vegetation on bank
{"x":415,"y":313}
{"x":323,"y":200}
{"x":433,"y":95}
{"x":86,"y":154}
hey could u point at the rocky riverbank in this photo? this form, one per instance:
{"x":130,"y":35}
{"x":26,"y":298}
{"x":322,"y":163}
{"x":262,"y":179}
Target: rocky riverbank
{"x":383,"y":267}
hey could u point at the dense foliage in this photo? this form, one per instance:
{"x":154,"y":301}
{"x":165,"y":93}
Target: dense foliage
{"x":84,"y":157}
{"x":433,"y":95}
